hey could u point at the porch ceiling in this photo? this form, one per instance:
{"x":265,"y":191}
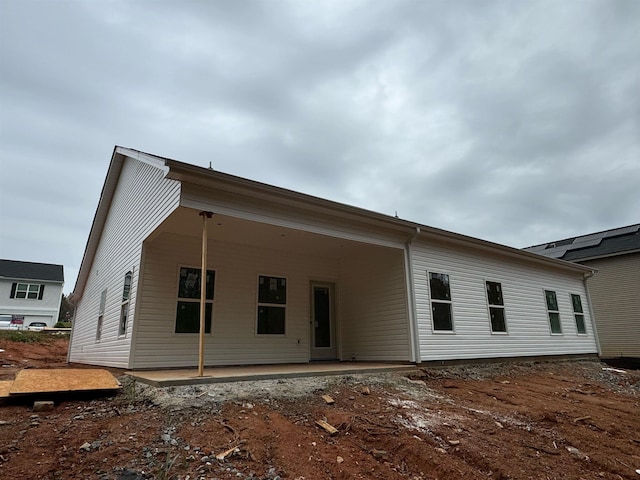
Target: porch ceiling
{"x":186,"y":221}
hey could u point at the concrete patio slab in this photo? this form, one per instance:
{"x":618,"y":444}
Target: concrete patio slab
{"x":177,"y":377}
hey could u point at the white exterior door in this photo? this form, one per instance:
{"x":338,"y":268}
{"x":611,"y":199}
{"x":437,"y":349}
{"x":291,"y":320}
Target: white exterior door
{"x":323,"y":337}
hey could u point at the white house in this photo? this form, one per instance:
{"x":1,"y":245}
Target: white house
{"x":293,"y":278}
{"x":31,"y":291}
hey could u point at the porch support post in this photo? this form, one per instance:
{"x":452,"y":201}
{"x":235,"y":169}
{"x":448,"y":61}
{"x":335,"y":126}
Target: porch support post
{"x":203,"y":291}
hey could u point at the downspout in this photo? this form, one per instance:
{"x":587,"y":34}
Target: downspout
{"x":586,"y":277}
{"x":411,"y":304}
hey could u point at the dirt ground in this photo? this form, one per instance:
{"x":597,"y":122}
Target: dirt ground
{"x":573,"y":420}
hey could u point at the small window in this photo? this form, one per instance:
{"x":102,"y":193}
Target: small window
{"x":576,"y":302}
{"x":29,"y":291}
{"x":441,"y":302}
{"x":553,"y":311}
{"x":272,"y":305}
{"x":124,"y":308}
{"x":496,"y":307}
{"x":188,"y":308}
{"x":103,"y":303}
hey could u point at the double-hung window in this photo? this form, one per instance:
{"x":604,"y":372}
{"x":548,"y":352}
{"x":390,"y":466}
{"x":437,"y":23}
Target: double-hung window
{"x":31,"y":291}
{"x":124,"y":308}
{"x":272,"y":305}
{"x":103,"y":303}
{"x":496,"y":307}
{"x":576,"y":302}
{"x":441,"y":302}
{"x":553,"y":311}
{"x":188,"y":309}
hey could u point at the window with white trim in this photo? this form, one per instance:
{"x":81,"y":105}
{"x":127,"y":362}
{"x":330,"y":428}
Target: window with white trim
{"x":272,"y":305}
{"x":188,"y":308}
{"x":439,"y":287}
{"x":553,"y":311}
{"x":124,"y":307}
{"x":576,"y":303}
{"x":496,"y":307}
{"x":103,"y":303}
{"x":30,"y":291}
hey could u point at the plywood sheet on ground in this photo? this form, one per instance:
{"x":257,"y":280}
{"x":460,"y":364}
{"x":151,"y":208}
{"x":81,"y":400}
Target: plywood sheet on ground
{"x":30,"y":381}
{"x":5,"y":386}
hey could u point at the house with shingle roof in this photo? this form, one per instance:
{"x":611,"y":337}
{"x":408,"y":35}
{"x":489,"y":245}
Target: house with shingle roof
{"x":187,"y":266}
{"x":30,"y":291}
{"x":614,"y":290}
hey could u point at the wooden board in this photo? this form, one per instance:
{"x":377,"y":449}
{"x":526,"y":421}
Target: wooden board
{"x":327,"y":426}
{"x":5,"y":386}
{"x":30,"y":381}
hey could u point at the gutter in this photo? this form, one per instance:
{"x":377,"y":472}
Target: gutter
{"x":586,"y":277}
{"x":411,"y":304}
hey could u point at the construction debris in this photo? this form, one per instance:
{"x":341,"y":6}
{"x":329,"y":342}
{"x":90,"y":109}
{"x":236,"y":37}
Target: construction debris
{"x":221,"y":456}
{"x":43,"y":406}
{"x":329,"y":428}
{"x":328,"y":400}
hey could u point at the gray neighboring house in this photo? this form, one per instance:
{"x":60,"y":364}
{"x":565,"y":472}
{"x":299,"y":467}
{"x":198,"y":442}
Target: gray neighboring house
{"x":31,"y":290}
{"x":615,"y":289}
{"x":293,"y":278}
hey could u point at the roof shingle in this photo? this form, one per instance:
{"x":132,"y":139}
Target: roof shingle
{"x":17,"y":270}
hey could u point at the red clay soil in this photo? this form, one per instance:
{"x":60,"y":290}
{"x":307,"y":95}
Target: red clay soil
{"x":570,"y":420}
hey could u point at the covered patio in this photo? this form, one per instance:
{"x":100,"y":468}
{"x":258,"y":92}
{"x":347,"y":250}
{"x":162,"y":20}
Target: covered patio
{"x":178,"y":377}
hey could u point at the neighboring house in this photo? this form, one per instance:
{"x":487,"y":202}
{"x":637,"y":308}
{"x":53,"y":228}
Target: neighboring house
{"x":293,"y":278}
{"x":615,"y":289}
{"x":31,"y":291}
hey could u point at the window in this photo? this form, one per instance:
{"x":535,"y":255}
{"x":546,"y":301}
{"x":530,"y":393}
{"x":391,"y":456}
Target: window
{"x":272,"y":305}
{"x":496,"y":307}
{"x":576,"y":302}
{"x":188,"y":309}
{"x":103,"y":302}
{"x":553,"y":311}
{"x":440,"y":302}
{"x":30,"y":291}
{"x":124,"y":308}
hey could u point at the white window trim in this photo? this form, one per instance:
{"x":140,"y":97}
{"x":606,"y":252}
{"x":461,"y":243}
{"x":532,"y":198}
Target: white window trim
{"x":282,"y":305}
{"x":489,"y":305}
{"x":544,"y":298}
{"x":194,"y":300}
{"x":450,"y":302}
{"x":584,"y":316}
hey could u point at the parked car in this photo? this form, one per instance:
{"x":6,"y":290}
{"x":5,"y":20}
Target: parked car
{"x":36,"y":326}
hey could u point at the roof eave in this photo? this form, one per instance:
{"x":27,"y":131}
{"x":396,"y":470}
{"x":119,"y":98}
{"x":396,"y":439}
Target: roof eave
{"x":188,"y":173}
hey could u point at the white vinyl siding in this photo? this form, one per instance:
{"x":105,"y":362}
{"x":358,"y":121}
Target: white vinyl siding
{"x":615,"y":295}
{"x":522,"y":285}
{"x":373,"y":306}
{"x":143,"y":198}
{"x":233,"y":340}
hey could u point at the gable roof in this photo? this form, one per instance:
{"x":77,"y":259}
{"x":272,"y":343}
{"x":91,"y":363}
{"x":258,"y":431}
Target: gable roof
{"x":208,"y":177}
{"x":608,"y":243}
{"x":16,"y":270}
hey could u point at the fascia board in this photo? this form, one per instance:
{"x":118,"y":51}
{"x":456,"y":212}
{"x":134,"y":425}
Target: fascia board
{"x":39,"y":280}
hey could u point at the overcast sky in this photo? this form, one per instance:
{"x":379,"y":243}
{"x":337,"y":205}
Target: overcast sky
{"x":516,"y":122}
